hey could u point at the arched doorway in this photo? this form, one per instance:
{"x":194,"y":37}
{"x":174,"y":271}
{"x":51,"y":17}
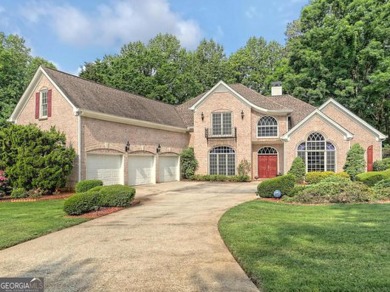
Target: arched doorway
{"x":267,"y":162}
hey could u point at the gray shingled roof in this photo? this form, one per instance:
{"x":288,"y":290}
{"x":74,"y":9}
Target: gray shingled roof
{"x":88,"y":95}
{"x":300,"y":108}
{"x":258,"y":99}
{"x":186,"y":114}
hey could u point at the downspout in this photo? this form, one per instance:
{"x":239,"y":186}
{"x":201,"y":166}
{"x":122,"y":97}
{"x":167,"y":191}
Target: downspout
{"x":78,"y":114}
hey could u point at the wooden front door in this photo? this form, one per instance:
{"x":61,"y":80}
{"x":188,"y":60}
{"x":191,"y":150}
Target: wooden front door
{"x":370,"y":158}
{"x":267,"y":166}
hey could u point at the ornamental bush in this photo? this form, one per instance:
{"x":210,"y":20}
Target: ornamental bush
{"x":100,"y":196}
{"x":35,"y":159}
{"x":315,"y":177}
{"x":373,"y":177}
{"x":18,"y":193}
{"x":381,"y":165}
{"x":355,"y":162}
{"x":298,"y":169}
{"x":188,"y":163}
{"x":219,"y":177}
{"x":5,"y":188}
{"x":243,"y":168}
{"x":382,"y":190}
{"x":116,"y":196}
{"x":86,"y":185}
{"x":284,"y":184}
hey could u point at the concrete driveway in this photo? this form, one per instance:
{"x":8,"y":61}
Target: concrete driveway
{"x":168,"y":243}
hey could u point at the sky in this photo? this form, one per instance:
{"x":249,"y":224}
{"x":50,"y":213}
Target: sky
{"x":71,"y":32}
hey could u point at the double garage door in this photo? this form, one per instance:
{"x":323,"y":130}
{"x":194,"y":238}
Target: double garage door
{"x":141,"y":169}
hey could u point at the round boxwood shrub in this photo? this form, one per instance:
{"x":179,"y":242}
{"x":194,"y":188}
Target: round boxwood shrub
{"x":82,"y":203}
{"x":86,"y":185}
{"x":116,"y":196}
{"x":284,"y":184}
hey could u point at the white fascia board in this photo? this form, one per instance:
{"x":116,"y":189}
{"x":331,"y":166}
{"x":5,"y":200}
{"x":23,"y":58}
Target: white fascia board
{"x":380,"y":136}
{"x":129,"y":121}
{"x":347,"y":135}
{"x":242,"y":99}
{"x":27,"y":93}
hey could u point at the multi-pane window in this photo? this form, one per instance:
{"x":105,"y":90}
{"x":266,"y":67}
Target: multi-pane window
{"x":222,"y":124}
{"x":222,"y":161}
{"x":267,"y":127}
{"x":317,"y":153}
{"x":43,"y":104}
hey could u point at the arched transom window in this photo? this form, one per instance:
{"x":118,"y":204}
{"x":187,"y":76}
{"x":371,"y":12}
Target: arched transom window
{"x":317,"y":153}
{"x":222,"y":160}
{"x":267,"y":151}
{"x":267,"y":127}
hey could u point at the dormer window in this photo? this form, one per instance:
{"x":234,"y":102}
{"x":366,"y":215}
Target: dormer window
{"x":222,"y":124}
{"x":267,"y":127}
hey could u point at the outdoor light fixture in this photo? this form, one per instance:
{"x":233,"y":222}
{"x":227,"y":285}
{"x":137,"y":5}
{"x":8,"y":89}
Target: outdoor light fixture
{"x":202,"y":116}
{"x":242,"y":115}
{"x":127,"y":146}
{"x":158,"y":148}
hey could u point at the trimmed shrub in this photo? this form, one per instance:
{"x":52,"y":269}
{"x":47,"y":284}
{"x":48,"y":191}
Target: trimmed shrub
{"x":215,"y":177}
{"x":188,"y":163}
{"x":116,"y":196}
{"x":298,"y":169}
{"x":342,"y":174}
{"x":86,"y":185}
{"x":382,"y":190}
{"x":381,"y":165}
{"x":296,"y":190}
{"x":355,"y":192}
{"x":284,"y":184}
{"x":373,"y":177}
{"x":315,"y":177}
{"x":82,"y":203}
{"x":18,"y":193}
{"x":355,"y":162}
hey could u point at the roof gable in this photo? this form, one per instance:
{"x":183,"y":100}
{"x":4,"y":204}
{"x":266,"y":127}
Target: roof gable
{"x":379,"y":136}
{"x":347,"y":135}
{"x":247,"y":96}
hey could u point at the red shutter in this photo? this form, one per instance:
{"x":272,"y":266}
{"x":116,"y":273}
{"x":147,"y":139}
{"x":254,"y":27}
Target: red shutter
{"x":37,"y":96}
{"x":49,"y":103}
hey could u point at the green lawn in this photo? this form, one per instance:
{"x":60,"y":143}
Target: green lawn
{"x":26,"y":220}
{"x":286,"y":247}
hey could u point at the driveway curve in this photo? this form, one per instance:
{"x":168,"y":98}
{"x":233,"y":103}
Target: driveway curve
{"x":170,"y":242}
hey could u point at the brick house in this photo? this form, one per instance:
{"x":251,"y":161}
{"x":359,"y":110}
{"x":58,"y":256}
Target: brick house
{"x":129,"y":139}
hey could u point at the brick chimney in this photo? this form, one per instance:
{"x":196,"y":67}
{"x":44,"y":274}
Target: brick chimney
{"x":276,"y":88}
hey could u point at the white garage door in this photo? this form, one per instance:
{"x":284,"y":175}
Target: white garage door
{"x":141,"y":170}
{"x":107,"y":168}
{"x":169,"y":168}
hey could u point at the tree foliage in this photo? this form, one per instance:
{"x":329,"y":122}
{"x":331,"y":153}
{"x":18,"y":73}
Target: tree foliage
{"x":33,"y":158}
{"x":340,"y":49}
{"x":17,"y":67}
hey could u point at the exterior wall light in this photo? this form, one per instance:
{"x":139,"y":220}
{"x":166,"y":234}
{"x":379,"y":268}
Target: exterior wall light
{"x":158,"y":149}
{"x":127,"y":146}
{"x":202,"y":116}
{"x":242,"y":115}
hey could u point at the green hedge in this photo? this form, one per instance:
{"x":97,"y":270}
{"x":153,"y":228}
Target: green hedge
{"x":381,"y":165}
{"x":86,"y":185}
{"x":18,"y":193}
{"x":100,"y":196}
{"x":373,"y":177}
{"x":382,"y":189}
{"x":116,"y":196}
{"x":216,"y":177}
{"x":315,"y":177}
{"x":284,"y":184}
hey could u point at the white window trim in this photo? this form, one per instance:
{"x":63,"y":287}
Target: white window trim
{"x":267,"y":137}
{"x":217,"y":156}
{"x":222,"y":120}
{"x":41,"y":116}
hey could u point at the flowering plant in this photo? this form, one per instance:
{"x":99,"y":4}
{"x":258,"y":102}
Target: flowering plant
{"x":4,"y":186}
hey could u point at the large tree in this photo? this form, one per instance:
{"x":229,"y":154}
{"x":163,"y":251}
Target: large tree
{"x":17,"y":68}
{"x":341,"y":49}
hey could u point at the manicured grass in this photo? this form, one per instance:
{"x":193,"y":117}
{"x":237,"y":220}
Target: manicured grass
{"x":286,"y":247}
{"x":21,"y":221}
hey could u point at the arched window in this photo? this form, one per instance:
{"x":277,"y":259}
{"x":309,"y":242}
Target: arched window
{"x":267,"y":127}
{"x":267,"y":151}
{"x":317,"y":153}
{"x":222,"y":160}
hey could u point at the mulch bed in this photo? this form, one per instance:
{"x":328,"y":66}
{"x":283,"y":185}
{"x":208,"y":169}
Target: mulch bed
{"x":43,"y":198}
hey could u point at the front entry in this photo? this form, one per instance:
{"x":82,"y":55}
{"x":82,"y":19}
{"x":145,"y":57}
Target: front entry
{"x":267,"y":162}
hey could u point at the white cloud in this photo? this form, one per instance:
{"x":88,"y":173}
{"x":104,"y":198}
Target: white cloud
{"x":251,"y":12}
{"x":117,"y":22}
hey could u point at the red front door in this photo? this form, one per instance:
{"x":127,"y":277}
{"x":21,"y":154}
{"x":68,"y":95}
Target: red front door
{"x":267,"y":166}
{"x":370,"y":158}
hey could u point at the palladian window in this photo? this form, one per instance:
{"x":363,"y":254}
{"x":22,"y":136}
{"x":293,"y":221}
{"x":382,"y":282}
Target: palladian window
{"x":267,"y":127}
{"x":317,"y":153}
